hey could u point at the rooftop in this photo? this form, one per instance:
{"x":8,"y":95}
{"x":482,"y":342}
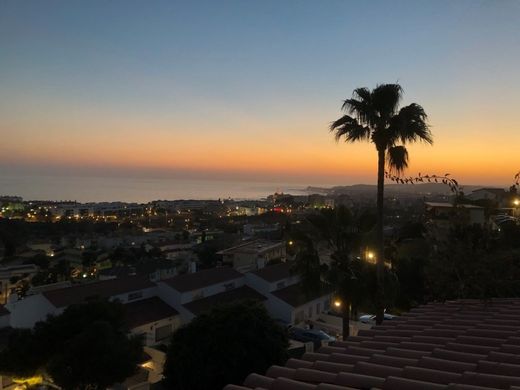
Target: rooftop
{"x":204,"y":278}
{"x":105,"y":289}
{"x":295,"y":296}
{"x":238,"y":294}
{"x":274,"y":273}
{"x":460,"y":345}
{"x":450,"y":205}
{"x":251,"y":247}
{"x":148,"y":310}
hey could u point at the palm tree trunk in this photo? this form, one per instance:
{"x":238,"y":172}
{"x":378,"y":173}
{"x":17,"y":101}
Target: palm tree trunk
{"x":380,"y":253}
{"x":346,"y":319}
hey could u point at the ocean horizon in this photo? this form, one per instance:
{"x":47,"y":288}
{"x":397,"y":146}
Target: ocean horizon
{"x":139,"y":189}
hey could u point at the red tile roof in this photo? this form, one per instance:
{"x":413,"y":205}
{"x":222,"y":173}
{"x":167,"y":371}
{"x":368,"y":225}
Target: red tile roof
{"x":146,"y":311}
{"x":465,"y":345}
{"x":204,"y":278}
{"x":274,"y":273}
{"x":295,"y":296}
{"x":238,"y":294}
{"x":104,"y":289}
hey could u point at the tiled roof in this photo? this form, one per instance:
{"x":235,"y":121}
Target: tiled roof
{"x":204,"y":278}
{"x":146,"y":311}
{"x":274,"y":273}
{"x":464,"y":345}
{"x":238,"y":294}
{"x":295,"y":296}
{"x":105,"y":289}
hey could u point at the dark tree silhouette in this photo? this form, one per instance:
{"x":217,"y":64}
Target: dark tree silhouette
{"x":86,"y":347}
{"x":224,"y":346}
{"x":374,"y":116}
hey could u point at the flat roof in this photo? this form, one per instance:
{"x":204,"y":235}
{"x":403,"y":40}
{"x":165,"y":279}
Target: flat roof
{"x":451,"y":205}
{"x":256,"y":246}
{"x":102,"y":289}
{"x":204,"y":278}
{"x":202,"y":305}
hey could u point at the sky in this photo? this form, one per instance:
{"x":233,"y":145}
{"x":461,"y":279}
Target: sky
{"x":246,"y":89}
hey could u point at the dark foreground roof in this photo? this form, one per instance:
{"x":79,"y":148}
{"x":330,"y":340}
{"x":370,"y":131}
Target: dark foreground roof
{"x":464,"y":345}
{"x":204,"y":278}
{"x":274,"y":273}
{"x":146,"y":311}
{"x":105,"y":289}
{"x":295,"y":296}
{"x":238,"y":294}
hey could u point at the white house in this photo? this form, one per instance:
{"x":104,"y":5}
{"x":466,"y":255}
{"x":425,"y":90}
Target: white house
{"x":182,"y":290}
{"x":253,"y":255}
{"x":286,"y":300}
{"x":152,"y":318}
{"x":26,"y":312}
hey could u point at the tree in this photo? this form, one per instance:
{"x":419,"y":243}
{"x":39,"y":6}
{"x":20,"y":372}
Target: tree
{"x":374,"y":115}
{"x":223,"y":347}
{"x":86,"y":347}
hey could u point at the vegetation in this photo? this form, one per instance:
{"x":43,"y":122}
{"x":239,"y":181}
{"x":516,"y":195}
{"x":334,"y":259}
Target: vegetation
{"x":86,"y":347}
{"x":223,"y":347}
{"x":374,"y":115}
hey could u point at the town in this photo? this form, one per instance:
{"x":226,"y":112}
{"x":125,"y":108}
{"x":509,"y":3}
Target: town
{"x":170,"y":261}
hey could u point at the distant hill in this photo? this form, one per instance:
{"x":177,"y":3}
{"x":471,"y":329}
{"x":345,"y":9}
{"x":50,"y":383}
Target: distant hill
{"x":418,"y":189}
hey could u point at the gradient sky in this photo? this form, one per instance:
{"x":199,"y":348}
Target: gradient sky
{"x":247,"y":89}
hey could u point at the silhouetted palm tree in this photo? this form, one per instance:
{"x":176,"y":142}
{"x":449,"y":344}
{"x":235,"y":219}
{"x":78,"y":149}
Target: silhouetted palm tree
{"x":374,"y":116}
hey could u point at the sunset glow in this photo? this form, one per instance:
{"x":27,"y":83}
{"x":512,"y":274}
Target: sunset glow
{"x":252,"y":96}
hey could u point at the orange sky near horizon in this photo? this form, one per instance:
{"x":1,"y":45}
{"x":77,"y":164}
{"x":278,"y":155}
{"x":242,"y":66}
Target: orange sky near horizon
{"x":247,"y":90}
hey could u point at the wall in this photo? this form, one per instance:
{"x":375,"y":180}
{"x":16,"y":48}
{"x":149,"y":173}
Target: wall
{"x":28,"y":311}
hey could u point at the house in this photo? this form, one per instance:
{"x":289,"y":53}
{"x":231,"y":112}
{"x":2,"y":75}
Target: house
{"x":26,"y":312}
{"x":253,"y":255}
{"x":286,"y":300}
{"x":181,"y":290}
{"x":152,"y":318}
{"x":494,"y":194}
{"x":441,"y":214}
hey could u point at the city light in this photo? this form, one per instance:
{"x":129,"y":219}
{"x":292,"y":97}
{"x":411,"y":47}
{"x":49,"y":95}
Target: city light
{"x":516,"y":202}
{"x":370,"y":255}
{"x":337,"y":303}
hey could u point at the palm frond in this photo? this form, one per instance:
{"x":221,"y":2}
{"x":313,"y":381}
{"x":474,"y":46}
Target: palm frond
{"x":397,"y":159}
{"x":410,"y":125}
{"x":385,"y":99}
{"x":349,"y":128}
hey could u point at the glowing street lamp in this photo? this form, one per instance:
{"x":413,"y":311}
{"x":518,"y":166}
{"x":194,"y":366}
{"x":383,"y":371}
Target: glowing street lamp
{"x":516,"y":202}
{"x":337,"y":303}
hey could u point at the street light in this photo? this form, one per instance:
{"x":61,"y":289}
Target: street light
{"x":337,"y":303}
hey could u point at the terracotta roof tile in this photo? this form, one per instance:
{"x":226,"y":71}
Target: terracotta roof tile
{"x":147,"y":311}
{"x":457,"y":345}
{"x":201,"y":279}
{"x":104,"y":289}
{"x":241,"y":293}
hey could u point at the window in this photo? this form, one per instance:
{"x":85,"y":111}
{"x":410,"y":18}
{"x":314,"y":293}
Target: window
{"x":135,"y":295}
{"x":163,"y":332}
{"x":310,"y":311}
{"x":326,"y":304}
{"x":298,"y":317}
{"x":280,"y":285}
{"x":318,"y":308}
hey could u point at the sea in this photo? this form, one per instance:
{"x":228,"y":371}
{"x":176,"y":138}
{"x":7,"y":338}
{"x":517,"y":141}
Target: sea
{"x":140,"y":190}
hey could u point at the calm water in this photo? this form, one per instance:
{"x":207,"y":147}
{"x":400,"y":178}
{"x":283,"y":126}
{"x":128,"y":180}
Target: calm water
{"x":98,"y":189}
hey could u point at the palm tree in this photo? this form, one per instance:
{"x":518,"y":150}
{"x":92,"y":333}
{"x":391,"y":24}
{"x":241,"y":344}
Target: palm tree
{"x":374,"y":116}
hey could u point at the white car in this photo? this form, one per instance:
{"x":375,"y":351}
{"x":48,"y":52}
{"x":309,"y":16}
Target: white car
{"x":371,"y":318}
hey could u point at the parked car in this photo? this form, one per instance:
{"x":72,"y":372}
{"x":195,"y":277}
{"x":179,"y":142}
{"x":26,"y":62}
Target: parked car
{"x":314,"y":335}
{"x":371,"y":318}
